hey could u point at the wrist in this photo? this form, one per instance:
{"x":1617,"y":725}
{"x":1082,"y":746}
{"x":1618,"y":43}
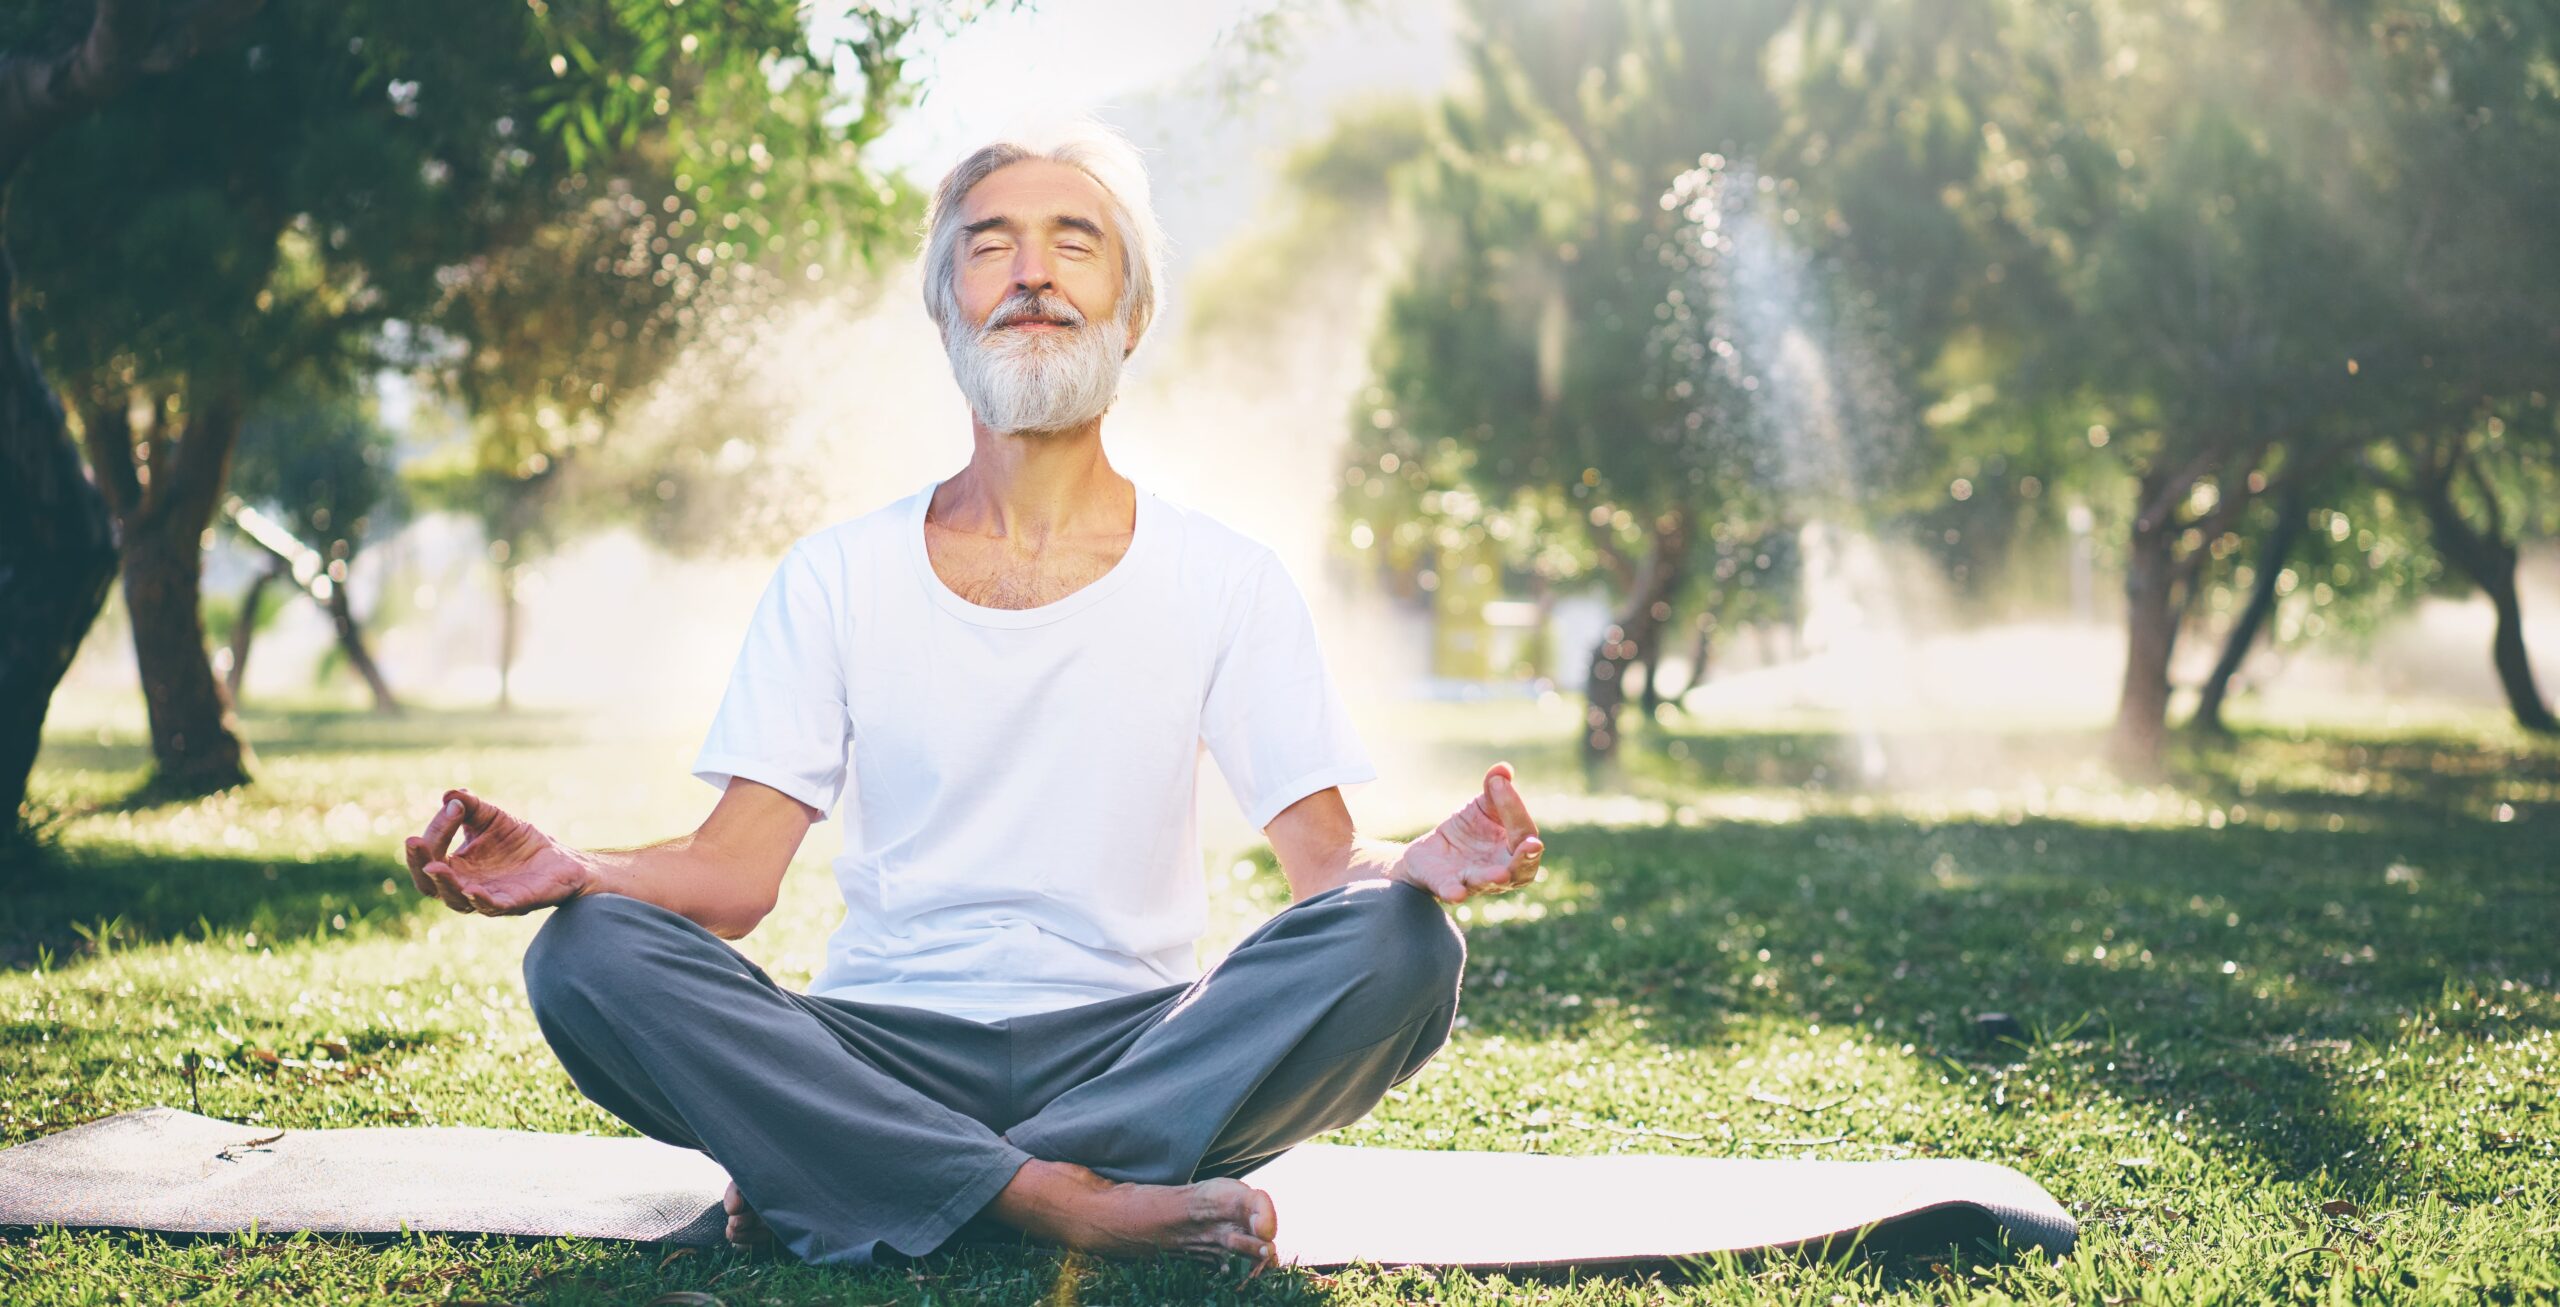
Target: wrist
{"x":589,"y":873}
{"x":1385,"y":858}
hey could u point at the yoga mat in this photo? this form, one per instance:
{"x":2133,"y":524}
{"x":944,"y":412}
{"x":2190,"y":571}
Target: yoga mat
{"x":166,"y":1170}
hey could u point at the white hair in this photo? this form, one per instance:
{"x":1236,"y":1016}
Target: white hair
{"x":1097,"y":150}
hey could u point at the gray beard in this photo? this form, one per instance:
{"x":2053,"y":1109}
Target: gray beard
{"x":1017,"y":381}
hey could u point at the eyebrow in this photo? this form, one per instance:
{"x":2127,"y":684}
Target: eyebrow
{"x":1000,"y":222}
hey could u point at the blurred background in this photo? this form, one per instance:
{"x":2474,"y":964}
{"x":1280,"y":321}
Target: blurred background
{"x":2010,"y":543}
{"x":1937,"y":396}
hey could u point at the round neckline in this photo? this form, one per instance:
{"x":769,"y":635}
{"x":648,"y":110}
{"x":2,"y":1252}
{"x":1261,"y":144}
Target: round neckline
{"x":1142,"y":536}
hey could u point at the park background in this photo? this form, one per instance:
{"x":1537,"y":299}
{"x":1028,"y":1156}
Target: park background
{"x":1951,"y":506}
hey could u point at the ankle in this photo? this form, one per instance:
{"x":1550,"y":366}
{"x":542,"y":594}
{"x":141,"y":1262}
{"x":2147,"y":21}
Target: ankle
{"x":1050,"y":1199}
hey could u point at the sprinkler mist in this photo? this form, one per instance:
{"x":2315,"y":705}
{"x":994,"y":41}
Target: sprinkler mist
{"x":1804,"y":419}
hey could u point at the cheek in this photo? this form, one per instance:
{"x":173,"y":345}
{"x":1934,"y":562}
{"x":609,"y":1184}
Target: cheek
{"x":1096,"y":290}
{"x":981,"y":290}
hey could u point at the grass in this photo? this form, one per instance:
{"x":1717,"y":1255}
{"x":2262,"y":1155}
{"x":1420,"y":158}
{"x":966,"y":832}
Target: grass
{"x":2289,"y":1015}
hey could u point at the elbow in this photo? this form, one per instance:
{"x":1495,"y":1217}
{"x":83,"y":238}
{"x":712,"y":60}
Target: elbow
{"x":740,"y":923}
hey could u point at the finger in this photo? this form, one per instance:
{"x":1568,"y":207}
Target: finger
{"x":415,"y":850}
{"x":478,"y":815}
{"x":1525,"y":860}
{"x":447,"y":888}
{"x":1246,"y":1244}
{"x":1508,"y":805}
{"x":439,"y":834}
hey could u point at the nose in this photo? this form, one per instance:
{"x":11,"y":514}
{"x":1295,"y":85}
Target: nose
{"x":1031,"y":269}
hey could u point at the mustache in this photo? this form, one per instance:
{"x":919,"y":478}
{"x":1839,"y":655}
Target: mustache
{"x":1024,"y":307}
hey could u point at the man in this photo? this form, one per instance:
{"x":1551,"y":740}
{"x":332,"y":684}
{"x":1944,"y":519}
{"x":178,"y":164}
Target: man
{"x":1024,"y":661}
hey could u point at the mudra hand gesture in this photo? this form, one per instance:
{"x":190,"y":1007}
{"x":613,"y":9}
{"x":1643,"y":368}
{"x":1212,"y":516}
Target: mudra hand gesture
{"x":503,"y":868}
{"x":1490,"y":846}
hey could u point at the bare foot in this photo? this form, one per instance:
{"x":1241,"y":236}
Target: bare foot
{"x":1212,"y":1220}
{"x":746,"y":1229}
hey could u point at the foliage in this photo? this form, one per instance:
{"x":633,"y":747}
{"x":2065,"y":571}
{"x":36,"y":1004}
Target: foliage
{"x":325,"y":463}
{"x":2098,"y":273}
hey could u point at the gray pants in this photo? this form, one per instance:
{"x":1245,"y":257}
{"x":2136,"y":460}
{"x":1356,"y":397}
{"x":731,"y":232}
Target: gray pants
{"x":847,"y":1124}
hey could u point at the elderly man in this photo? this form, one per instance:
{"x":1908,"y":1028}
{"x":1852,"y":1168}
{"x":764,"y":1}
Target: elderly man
{"x":1023,"y":661}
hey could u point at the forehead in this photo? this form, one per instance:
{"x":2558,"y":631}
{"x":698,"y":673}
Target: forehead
{"x":1033,"y":191}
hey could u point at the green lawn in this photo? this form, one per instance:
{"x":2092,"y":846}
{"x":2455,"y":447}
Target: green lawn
{"x":2291,"y":1014}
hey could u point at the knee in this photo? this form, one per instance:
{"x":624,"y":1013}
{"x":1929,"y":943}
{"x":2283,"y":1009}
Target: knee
{"x":589,"y":945}
{"x":1402,"y":935}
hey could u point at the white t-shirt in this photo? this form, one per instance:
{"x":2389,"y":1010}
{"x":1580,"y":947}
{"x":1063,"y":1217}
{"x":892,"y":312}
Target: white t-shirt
{"x":1023,"y":834}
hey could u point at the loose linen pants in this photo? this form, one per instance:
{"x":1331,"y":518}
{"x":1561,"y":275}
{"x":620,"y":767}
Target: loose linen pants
{"x":848,"y":1125}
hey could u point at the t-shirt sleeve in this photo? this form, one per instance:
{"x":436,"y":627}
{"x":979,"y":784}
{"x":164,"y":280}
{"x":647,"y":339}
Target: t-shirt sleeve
{"x":782,"y":720}
{"x":1273,"y":718}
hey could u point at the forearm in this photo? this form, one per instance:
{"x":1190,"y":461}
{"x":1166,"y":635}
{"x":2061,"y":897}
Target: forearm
{"x":686,"y":875}
{"x":1363,"y":859}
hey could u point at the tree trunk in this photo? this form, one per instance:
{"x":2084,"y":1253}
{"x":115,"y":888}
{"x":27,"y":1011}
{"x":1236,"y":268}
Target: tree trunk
{"x":506,"y":635}
{"x":2490,"y":562}
{"x":351,"y":641}
{"x":252,"y":601}
{"x":1697,"y":661}
{"x":58,"y":534}
{"x":195,"y":743}
{"x":2291,"y":512}
{"x":1629,"y":640}
{"x":326,"y":585}
{"x":2515,"y":668}
{"x":2151,"y":634}
{"x":57,"y":551}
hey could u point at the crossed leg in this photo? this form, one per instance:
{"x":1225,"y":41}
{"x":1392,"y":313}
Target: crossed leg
{"x":846,"y":1126}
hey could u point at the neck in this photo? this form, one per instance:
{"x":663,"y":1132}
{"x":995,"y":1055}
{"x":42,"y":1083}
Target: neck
{"x":1030,"y":487}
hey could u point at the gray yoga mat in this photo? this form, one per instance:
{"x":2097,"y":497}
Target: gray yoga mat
{"x":166,"y":1170}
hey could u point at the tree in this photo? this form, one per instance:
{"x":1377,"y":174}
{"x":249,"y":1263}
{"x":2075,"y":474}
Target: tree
{"x":1551,"y":370}
{"x":321,"y":467}
{"x":2481,"y":488}
{"x":57,"y":543}
{"x":2162,"y":165}
{"x":681,"y":241}
{"x":268,"y":218}
{"x":2325,"y":556}
{"x":2464,"y":199}
{"x":243,"y":230}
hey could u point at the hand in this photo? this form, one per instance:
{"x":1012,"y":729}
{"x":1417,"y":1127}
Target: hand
{"x":1490,"y":846}
{"x":506,"y":867}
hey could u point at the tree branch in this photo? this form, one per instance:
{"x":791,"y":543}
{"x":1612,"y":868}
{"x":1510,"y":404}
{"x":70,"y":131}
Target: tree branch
{"x":1621,"y":568}
{"x":202,"y":461}
{"x":106,"y":431}
{"x":126,"y":38}
{"x":2488,"y":496}
{"x":2156,"y":513}
{"x":193,"y":28}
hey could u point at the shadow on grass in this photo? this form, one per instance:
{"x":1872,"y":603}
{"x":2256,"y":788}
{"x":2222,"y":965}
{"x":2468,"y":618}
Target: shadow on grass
{"x":60,"y":904}
{"x":2363,"y":780}
{"x":2236,"y":963}
{"x":327,"y":732}
{"x":2413,"y":780}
